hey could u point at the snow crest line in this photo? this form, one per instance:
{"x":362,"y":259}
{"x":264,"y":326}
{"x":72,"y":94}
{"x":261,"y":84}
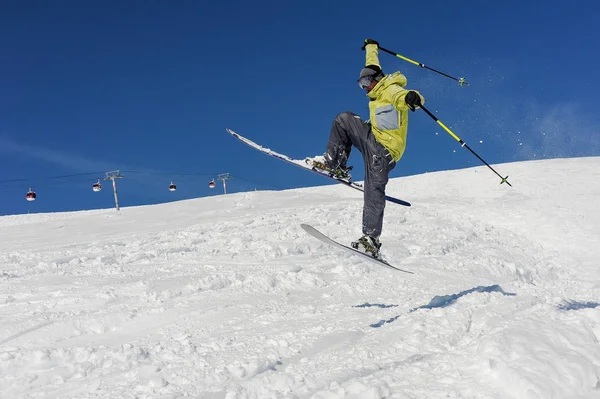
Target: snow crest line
{"x":21,"y":333}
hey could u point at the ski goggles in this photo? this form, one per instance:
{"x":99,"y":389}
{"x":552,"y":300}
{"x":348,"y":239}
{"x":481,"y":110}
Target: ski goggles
{"x":365,"y":81}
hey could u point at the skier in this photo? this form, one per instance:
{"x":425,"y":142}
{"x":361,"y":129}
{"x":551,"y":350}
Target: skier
{"x":381,"y":141}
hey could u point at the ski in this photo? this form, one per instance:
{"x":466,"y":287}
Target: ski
{"x":300,"y":163}
{"x":323,"y":238}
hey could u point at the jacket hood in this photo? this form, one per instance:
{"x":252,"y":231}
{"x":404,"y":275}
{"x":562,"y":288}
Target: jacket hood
{"x":395,"y":78}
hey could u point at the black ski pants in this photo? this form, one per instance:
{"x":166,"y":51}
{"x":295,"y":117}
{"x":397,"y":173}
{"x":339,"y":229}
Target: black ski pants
{"x":349,"y":130}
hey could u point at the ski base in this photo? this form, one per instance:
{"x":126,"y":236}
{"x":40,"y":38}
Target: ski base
{"x":302,"y":164}
{"x":323,"y":238}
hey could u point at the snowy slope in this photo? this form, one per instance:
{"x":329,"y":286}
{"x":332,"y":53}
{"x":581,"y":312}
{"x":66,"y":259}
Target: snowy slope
{"x":227,"y":297}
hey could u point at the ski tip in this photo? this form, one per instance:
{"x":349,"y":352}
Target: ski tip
{"x":234,"y":134}
{"x":306,"y":227}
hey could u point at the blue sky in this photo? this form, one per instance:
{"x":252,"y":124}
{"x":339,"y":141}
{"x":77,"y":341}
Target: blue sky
{"x":148,"y":87}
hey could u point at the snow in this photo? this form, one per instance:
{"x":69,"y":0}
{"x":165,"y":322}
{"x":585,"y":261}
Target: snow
{"x":227,"y":297}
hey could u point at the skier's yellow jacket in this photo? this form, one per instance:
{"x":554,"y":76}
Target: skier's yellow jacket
{"x":387,"y":109}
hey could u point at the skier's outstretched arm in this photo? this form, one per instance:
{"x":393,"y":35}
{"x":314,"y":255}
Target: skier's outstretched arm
{"x":372,"y":56}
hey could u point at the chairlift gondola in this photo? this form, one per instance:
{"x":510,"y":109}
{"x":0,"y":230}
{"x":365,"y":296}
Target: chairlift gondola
{"x":97,"y":186}
{"x":172,"y":186}
{"x":30,"y":196}
{"x":212,"y":183}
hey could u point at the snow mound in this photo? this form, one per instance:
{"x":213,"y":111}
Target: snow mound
{"x":227,"y":297}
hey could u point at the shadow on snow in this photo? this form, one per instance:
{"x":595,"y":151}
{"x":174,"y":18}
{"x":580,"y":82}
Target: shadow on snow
{"x":374,"y":305}
{"x":442,"y":301}
{"x":575,"y":305}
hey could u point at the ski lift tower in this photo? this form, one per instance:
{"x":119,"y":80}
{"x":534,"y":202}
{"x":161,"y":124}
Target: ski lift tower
{"x":112,"y":176}
{"x":224,"y":177}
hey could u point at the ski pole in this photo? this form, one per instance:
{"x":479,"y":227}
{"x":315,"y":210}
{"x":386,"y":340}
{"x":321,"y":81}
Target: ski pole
{"x":463,"y":144}
{"x":461,"y":81}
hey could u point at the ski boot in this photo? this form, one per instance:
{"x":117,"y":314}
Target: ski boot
{"x":368,"y":245}
{"x":320,"y":162}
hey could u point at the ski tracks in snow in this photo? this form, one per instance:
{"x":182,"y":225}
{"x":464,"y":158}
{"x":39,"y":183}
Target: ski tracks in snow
{"x":226,"y":297}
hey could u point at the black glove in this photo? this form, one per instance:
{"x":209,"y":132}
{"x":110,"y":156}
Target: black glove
{"x":413,"y":100}
{"x":369,"y":41}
